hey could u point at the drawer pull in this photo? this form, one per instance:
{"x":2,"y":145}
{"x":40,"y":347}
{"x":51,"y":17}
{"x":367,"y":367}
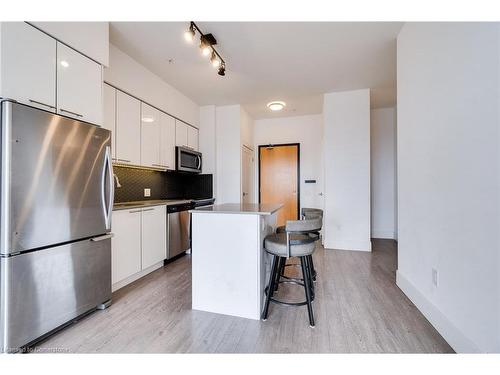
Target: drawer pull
{"x":123,"y":160}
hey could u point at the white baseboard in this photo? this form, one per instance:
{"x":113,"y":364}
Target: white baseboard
{"x":120,"y":284}
{"x":349,"y":245}
{"x":383,"y":234}
{"x":456,"y":338}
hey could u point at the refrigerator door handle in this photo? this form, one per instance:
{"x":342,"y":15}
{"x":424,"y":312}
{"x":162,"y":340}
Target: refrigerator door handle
{"x":108,"y":167}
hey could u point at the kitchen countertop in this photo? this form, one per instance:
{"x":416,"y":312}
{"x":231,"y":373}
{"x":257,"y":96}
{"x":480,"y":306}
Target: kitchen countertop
{"x":148,"y":203}
{"x":241,"y":208}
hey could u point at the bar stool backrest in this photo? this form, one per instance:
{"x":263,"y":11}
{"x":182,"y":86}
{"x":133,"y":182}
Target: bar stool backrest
{"x":305,"y":226}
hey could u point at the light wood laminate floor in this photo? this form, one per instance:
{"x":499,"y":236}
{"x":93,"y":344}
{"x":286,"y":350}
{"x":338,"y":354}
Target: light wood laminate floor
{"x":358,"y":309}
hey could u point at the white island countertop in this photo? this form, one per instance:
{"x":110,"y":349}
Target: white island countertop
{"x":241,"y":208}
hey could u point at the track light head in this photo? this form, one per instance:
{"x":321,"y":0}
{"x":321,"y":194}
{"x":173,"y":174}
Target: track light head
{"x":214,"y":60}
{"x":207,"y":41}
{"x":189,"y":34}
{"x":222,"y":70}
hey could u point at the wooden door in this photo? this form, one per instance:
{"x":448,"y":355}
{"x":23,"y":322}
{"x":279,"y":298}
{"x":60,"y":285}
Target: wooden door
{"x":279,"y":179}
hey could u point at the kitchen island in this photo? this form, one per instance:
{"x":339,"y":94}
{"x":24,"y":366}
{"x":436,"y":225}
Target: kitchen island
{"x":229,"y":264}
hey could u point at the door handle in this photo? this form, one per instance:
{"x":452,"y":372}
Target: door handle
{"x":109,"y":168}
{"x":148,"y":209}
{"x":111,"y":185}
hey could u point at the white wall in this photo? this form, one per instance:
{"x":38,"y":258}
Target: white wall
{"x":247,"y":129}
{"x":383,"y":172}
{"x":228,"y":153}
{"x":89,"y":38}
{"x":448,"y":178}
{"x":127,"y":74}
{"x":207,"y":139}
{"x":306,"y":130}
{"x":346,"y":119}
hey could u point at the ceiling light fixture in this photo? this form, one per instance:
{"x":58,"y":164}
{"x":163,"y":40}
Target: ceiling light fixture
{"x":222,"y":69}
{"x":214,"y":60}
{"x":207,"y":43}
{"x":189,"y":34}
{"x":276,"y":105}
{"x":64,"y":63}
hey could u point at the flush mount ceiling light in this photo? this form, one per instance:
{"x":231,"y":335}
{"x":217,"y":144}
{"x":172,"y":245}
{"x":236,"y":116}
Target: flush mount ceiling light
{"x":207,"y":43}
{"x":64,"y":63}
{"x":276,"y":105}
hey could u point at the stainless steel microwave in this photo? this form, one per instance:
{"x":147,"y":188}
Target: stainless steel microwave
{"x":187,"y":160}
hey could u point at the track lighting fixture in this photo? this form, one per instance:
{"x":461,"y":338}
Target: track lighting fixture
{"x":207,"y":42}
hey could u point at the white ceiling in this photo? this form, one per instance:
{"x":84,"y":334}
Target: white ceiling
{"x":291,"y":61}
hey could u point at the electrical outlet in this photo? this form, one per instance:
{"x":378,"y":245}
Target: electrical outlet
{"x":147,"y":192}
{"x":435,"y":277}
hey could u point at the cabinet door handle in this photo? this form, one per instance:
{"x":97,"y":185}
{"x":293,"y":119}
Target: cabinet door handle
{"x":123,"y":160}
{"x":160,"y":165}
{"x":134,"y":211}
{"x":71,"y":113}
{"x":148,"y":209}
{"x":40,"y":103}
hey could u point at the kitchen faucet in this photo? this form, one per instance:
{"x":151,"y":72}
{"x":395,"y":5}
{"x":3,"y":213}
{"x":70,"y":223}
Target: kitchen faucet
{"x":118,"y":185}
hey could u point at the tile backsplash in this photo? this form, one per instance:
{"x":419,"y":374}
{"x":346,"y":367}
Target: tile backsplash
{"x":163,"y":185}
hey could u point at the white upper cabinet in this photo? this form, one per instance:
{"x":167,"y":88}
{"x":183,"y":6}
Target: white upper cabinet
{"x":28,"y":65}
{"x":109,"y":111}
{"x":150,"y":136}
{"x":79,"y":86}
{"x":128,"y":129}
{"x":192,"y":138}
{"x":186,"y":135}
{"x":167,"y":141}
{"x":181,"y":134}
{"x":154,"y":236}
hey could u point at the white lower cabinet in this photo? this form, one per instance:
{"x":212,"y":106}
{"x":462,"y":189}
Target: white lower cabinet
{"x":126,"y":244}
{"x":139,"y":242}
{"x":154,"y":241}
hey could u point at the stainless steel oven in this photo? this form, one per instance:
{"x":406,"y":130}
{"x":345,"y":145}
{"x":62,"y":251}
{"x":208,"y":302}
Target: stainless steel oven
{"x":187,"y":160}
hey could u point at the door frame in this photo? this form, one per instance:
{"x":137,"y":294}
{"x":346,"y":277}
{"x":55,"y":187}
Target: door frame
{"x":298,"y":169}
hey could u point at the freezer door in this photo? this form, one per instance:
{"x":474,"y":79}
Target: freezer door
{"x":42,"y":290}
{"x":56,"y":179}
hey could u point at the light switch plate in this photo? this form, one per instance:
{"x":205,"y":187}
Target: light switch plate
{"x":147,"y":192}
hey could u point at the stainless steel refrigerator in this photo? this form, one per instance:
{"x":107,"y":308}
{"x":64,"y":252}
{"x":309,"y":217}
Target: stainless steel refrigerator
{"x":55,"y":214}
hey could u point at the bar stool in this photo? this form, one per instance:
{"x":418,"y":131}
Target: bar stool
{"x":296,"y":241}
{"x":306,"y":213}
